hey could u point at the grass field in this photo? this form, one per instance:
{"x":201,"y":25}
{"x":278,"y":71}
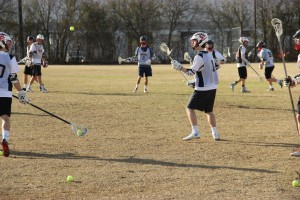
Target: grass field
{"x":134,"y":149}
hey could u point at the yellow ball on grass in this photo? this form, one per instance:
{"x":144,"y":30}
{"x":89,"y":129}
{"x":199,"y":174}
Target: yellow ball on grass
{"x":70,"y":179}
{"x":72,"y":28}
{"x":295,"y":183}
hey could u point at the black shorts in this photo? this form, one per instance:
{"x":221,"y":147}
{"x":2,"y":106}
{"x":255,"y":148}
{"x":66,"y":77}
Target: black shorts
{"x":298,"y":106}
{"x":268,"y":72}
{"x":145,"y":70}
{"x":242,"y":72}
{"x":36,"y":70}
{"x":5,"y":106}
{"x":28,"y":70}
{"x":202,"y":100}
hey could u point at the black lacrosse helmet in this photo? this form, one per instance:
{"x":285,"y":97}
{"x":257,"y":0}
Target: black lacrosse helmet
{"x":30,"y":38}
{"x":143,"y":38}
{"x":261,"y":44}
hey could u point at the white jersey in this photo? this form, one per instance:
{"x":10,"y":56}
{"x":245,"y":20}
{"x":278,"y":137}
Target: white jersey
{"x":205,"y":71}
{"x":8,"y":65}
{"x":37,"y":51}
{"x":143,"y":54}
{"x":267,"y":56}
{"x":242,"y":56}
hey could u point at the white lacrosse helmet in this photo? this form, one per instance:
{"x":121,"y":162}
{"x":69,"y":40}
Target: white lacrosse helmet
{"x":40,"y":36}
{"x":201,"y":37}
{"x":243,"y":39}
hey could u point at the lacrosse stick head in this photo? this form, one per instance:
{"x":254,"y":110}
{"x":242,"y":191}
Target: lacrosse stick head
{"x":79,"y":130}
{"x":277,"y":25}
{"x":164,"y":47}
{"x":187,"y":57}
{"x":120,"y":60}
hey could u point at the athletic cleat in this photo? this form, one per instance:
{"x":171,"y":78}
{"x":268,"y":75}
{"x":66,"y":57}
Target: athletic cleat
{"x":192,"y":136}
{"x":29,"y":89}
{"x":216,"y":136}
{"x":280,"y":83}
{"x":135,"y":89}
{"x":271,"y":89}
{"x":43,"y":89}
{"x":244,"y":90}
{"x":5,"y":148}
{"x":297,"y":153}
{"x":232,"y":86}
{"x":145,"y":90}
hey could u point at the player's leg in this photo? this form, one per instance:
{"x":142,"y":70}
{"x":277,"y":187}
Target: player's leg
{"x":5,"y":111}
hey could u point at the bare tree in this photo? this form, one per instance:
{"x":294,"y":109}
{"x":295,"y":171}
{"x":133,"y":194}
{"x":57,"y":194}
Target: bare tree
{"x":136,"y":18}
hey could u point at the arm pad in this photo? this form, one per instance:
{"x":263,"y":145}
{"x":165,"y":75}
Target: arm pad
{"x":13,"y":78}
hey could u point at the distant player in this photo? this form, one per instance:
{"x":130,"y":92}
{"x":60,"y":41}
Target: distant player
{"x":37,"y":59}
{"x":144,"y":54}
{"x":219,"y":58}
{"x":206,"y":76}
{"x":28,"y":68}
{"x":266,"y":58}
{"x":242,"y":62}
{"x":8,"y":78}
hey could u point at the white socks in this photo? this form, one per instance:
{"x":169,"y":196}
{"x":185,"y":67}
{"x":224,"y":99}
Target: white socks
{"x":195,"y":129}
{"x":5,"y":135}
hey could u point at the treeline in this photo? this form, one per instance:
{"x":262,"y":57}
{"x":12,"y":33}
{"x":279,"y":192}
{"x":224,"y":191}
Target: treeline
{"x":104,"y":29}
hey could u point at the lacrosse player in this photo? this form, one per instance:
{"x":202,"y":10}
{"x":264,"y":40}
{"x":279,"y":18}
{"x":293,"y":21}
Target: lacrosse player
{"x":292,"y":82}
{"x":206,"y":76}
{"x":36,"y":59}
{"x":144,"y":55}
{"x":242,"y":59}
{"x":27,"y":70}
{"x":266,"y":58}
{"x":219,"y":58}
{"x":8,"y":78}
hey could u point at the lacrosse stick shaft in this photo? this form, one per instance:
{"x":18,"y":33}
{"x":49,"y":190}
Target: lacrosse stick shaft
{"x":49,"y":113}
{"x":256,"y":72}
{"x":277,"y":25}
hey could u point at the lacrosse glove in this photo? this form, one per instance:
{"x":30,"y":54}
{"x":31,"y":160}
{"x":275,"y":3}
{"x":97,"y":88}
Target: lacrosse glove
{"x":176,"y":65}
{"x":22,"y":95}
{"x":191,"y":83}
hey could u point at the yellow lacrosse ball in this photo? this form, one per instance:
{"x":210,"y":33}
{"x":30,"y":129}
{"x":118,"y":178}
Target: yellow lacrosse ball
{"x":79,"y":132}
{"x":70,"y":179}
{"x":1,"y":153}
{"x":72,"y":28}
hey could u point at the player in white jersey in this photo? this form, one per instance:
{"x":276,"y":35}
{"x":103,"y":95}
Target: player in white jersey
{"x":27,"y":69}
{"x":206,"y":76}
{"x":37,"y":57}
{"x":144,"y":54}
{"x":266,"y":58}
{"x":219,"y":58}
{"x":8,"y":79}
{"x":242,"y":63}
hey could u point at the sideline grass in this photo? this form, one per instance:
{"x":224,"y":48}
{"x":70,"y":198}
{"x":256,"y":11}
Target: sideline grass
{"x":134,"y":149}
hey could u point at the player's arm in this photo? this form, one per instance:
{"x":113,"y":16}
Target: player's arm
{"x":243,"y":56}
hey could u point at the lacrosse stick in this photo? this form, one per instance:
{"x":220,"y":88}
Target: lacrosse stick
{"x":187,"y":57}
{"x":126,"y":60}
{"x":23,"y":60}
{"x":78,"y":130}
{"x":164,"y":47}
{"x":259,"y":76}
{"x":277,"y":25}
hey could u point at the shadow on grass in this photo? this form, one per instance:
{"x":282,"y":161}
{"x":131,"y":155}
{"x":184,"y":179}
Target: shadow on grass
{"x":255,"y":107}
{"x":133,"y":160}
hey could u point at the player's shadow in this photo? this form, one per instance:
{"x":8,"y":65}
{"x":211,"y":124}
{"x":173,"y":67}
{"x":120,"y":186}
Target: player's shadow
{"x":133,"y":160}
